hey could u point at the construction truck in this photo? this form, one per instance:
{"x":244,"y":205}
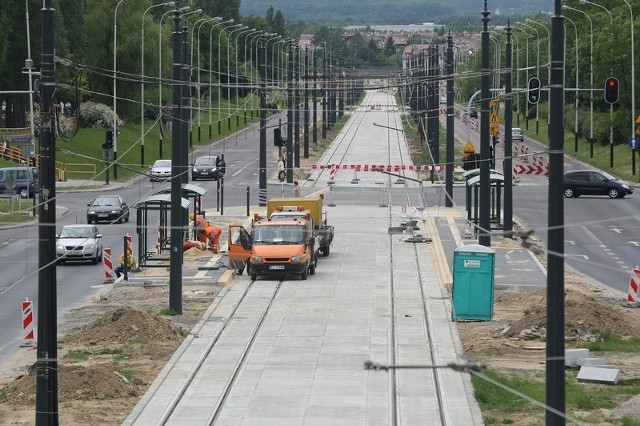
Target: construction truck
{"x":273,"y":247}
{"x":289,"y":208}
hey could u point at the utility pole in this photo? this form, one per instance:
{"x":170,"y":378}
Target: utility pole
{"x":555,"y":365}
{"x":314,"y":94}
{"x":176,"y":232}
{"x":296,"y":110}
{"x":262,"y":63}
{"x":290,"y":106}
{"x":484,"y":235}
{"x":47,"y":352}
{"x":448,"y":202}
{"x":507,"y":165}
{"x":305,"y":97}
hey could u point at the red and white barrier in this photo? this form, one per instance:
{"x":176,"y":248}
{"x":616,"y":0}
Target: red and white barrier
{"x":158,"y":239}
{"x":27,"y":322}
{"x":108,"y":265}
{"x":522,"y":169}
{"x":333,"y":168}
{"x":632,"y":295}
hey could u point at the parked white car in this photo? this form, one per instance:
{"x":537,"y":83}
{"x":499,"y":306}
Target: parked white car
{"x":79,"y":243}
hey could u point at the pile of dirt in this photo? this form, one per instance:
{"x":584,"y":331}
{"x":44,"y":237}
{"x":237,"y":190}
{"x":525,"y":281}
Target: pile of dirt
{"x":586,"y":318}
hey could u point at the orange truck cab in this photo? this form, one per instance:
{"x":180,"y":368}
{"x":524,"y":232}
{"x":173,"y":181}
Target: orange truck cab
{"x":279,"y":247}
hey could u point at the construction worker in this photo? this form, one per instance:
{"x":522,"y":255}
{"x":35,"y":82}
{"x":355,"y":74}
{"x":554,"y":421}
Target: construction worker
{"x":211,"y":236}
{"x":131,"y":263}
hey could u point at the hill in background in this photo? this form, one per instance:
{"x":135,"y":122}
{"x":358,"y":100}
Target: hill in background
{"x":349,"y":12}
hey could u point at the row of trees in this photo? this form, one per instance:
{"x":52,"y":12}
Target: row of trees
{"x":611,"y":57}
{"x":85,"y":42}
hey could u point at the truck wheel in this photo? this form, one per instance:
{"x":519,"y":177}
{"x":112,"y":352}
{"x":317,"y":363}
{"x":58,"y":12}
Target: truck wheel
{"x":303,"y":276}
{"x":326,"y":250}
{"x":254,"y":276}
{"x":312,"y":269}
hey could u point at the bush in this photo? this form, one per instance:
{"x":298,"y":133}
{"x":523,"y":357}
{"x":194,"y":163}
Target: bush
{"x":94,"y":114}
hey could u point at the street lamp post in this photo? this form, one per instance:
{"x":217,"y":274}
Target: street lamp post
{"x":537,"y":70}
{"x":229,"y":21}
{"x":256,"y":36}
{"x":220,"y":75}
{"x":564,"y":6}
{"x":115,"y":97}
{"x":237,"y":59}
{"x":241,"y":29}
{"x":633,"y":74}
{"x":170,"y":3}
{"x":548,"y":58}
{"x":526,"y":115}
{"x":199,"y":23}
{"x":610,"y":74}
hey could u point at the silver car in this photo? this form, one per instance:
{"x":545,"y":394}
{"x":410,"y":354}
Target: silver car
{"x":79,"y":243}
{"x":160,"y":171}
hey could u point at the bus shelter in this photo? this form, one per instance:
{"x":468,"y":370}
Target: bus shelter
{"x":193,"y":193}
{"x":160,"y":203}
{"x":496,"y":179}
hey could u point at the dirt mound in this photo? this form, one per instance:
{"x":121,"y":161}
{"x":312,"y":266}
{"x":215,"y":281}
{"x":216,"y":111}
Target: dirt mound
{"x":586,"y":318}
{"x":75,"y":383}
{"x":124,"y":325}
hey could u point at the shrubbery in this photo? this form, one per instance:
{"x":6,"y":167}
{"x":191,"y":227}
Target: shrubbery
{"x":94,"y":114}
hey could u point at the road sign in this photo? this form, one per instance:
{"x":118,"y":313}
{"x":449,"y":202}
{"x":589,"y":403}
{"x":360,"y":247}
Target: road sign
{"x":469,"y":148}
{"x":633,"y":143}
{"x":494,"y":129}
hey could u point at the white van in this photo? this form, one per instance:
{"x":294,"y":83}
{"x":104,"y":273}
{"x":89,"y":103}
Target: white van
{"x":21,"y":180}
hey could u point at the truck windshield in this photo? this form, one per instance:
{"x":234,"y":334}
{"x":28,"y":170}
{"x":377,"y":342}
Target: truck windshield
{"x":279,"y":234}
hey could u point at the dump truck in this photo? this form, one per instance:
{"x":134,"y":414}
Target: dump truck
{"x":287,"y":208}
{"x":273,"y":247}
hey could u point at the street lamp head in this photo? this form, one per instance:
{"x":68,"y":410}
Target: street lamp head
{"x":184,"y":9}
{"x":169,"y":3}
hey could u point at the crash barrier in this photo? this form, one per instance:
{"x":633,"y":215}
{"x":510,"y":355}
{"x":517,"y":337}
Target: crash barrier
{"x":108,"y":265}
{"x":632,"y":295}
{"x":27,"y":322}
{"x":378,"y":167}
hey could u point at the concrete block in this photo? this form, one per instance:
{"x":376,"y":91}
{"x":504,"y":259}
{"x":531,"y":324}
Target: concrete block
{"x":573,"y":357}
{"x":593,"y":362}
{"x":609,"y":376}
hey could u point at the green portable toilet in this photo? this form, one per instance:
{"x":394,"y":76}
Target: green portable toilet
{"x":473,"y":282}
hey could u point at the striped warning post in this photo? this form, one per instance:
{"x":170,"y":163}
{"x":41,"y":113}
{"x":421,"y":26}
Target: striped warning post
{"x":632,"y":295}
{"x":27,"y":322}
{"x":332,"y":172}
{"x":108,"y":265}
{"x":158,"y":239}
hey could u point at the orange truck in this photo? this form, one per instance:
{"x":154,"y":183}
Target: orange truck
{"x":273,"y":247}
{"x":289,"y":208}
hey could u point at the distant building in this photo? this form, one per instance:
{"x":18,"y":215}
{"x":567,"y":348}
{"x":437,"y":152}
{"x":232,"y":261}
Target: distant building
{"x":409,"y":28}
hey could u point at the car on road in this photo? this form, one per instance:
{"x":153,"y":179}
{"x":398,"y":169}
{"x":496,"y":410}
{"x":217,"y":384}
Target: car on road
{"x":205,"y":167}
{"x":79,"y":243}
{"x":21,"y":180}
{"x":110,"y":208}
{"x":516,"y":135}
{"x":473,"y":112}
{"x":160,"y":171}
{"x":594,"y":182}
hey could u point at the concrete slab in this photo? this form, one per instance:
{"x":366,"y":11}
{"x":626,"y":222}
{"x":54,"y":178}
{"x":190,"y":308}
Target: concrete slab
{"x":609,"y":376}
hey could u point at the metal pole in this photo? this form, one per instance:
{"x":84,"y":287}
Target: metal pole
{"x":115,"y":97}
{"x":555,"y":365}
{"x":175,"y":256}
{"x":448,"y":202}
{"x":484,"y":235}
{"x":507,"y":165}
{"x":262,"y":195}
{"x":290,"y":103}
{"x":47,"y":355}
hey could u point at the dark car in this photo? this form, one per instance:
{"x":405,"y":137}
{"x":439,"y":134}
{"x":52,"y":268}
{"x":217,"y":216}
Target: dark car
{"x":109,"y":208}
{"x":594,"y":182}
{"x":473,"y":112}
{"x":205,"y":168}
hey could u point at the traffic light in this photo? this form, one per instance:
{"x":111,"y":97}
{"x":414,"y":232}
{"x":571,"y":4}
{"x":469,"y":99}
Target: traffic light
{"x":220,"y":165}
{"x":611,"y":90}
{"x":108,"y":142}
{"x":533,"y":92}
{"x":277,"y":138}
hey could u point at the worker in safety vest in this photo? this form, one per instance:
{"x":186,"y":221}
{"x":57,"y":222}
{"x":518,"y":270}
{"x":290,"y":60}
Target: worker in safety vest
{"x":211,"y":236}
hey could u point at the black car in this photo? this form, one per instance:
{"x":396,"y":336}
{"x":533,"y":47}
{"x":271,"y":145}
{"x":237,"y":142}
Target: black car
{"x":205,"y":168}
{"x":594,"y":182}
{"x":109,"y":208}
{"x":473,"y":112}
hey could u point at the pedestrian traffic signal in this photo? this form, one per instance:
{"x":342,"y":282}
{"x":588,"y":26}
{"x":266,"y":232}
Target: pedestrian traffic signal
{"x":611,"y":90}
{"x":277,"y":138}
{"x":533,"y":92}
{"x":220,"y":165}
{"x":108,"y":142}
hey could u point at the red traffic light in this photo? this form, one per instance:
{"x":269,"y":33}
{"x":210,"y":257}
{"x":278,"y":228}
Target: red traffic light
{"x":611,"y":90}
